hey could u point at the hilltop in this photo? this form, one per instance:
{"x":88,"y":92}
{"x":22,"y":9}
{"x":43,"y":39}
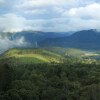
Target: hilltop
{"x":33,"y":55}
{"x":47,"y":55}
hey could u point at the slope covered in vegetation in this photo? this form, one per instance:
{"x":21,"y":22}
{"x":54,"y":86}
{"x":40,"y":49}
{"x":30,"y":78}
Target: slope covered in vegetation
{"x":67,"y":81}
{"x":33,"y":55}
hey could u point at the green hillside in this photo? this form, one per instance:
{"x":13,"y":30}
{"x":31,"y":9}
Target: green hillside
{"x":47,"y":55}
{"x":67,"y":51}
{"x":28,"y":74}
{"x":72,"y":52}
{"x":33,"y":55}
{"x":50,"y":81}
{"x":58,"y":50}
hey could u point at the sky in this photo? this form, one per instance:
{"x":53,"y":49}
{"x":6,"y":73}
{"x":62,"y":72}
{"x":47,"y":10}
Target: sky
{"x":49,"y":15}
{"x":46,"y":15}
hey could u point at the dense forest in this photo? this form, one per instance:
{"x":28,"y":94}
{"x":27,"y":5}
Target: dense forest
{"x":49,"y":81}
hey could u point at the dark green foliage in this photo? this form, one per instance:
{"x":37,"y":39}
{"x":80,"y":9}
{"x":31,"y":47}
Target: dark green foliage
{"x":6,"y":76}
{"x":67,"y":81}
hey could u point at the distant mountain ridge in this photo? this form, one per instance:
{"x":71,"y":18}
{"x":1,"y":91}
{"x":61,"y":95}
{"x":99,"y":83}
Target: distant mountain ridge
{"x":34,"y":37}
{"x":86,"y":39}
{"x":28,"y":39}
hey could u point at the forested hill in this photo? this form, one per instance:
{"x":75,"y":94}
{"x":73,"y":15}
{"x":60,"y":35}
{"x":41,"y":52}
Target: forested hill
{"x":46,"y":74}
{"x":33,"y":55}
{"x":86,"y":39}
{"x":48,"y":54}
{"x":52,"y":81}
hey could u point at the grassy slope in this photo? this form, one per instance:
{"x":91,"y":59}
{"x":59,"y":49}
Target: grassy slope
{"x":33,"y":55}
{"x":46,"y":55}
{"x":72,"y":52}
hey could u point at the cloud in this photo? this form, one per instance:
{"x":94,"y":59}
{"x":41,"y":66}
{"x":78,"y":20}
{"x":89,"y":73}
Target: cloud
{"x":38,"y":3}
{"x":6,"y":43}
{"x":60,"y":3}
{"x":2,"y":1}
{"x":11,"y":23}
{"x":49,"y":15}
{"x":88,"y":12}
{"x":35,"y":11}
{"x":48,"y":7}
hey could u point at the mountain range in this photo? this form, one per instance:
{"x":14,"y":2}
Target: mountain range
{"x":86,"y":39}
{"x":36,"y":36}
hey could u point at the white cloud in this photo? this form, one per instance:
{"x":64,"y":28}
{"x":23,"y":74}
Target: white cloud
{"x":38,"y":3}
{"x":2,"y":1}
{"x":51,"y":15}
{"x":71,"y":24}
{"x":35,"y":11}
{"x":11,"y":23}
{"x":88,"y":12}
{"x":6,"y":44}
{"x":14,"y":23}
{"x":57,"y":6}
{"x":48,"y":3}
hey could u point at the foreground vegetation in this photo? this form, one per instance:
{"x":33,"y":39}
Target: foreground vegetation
{"x":38,"y":74}
{"x":49,"y":81}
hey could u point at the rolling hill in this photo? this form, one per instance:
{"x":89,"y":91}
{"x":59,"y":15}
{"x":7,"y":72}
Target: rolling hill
{"x":74,"y":53}
{"x":32,"y":56}
{"x":46,"y":55}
